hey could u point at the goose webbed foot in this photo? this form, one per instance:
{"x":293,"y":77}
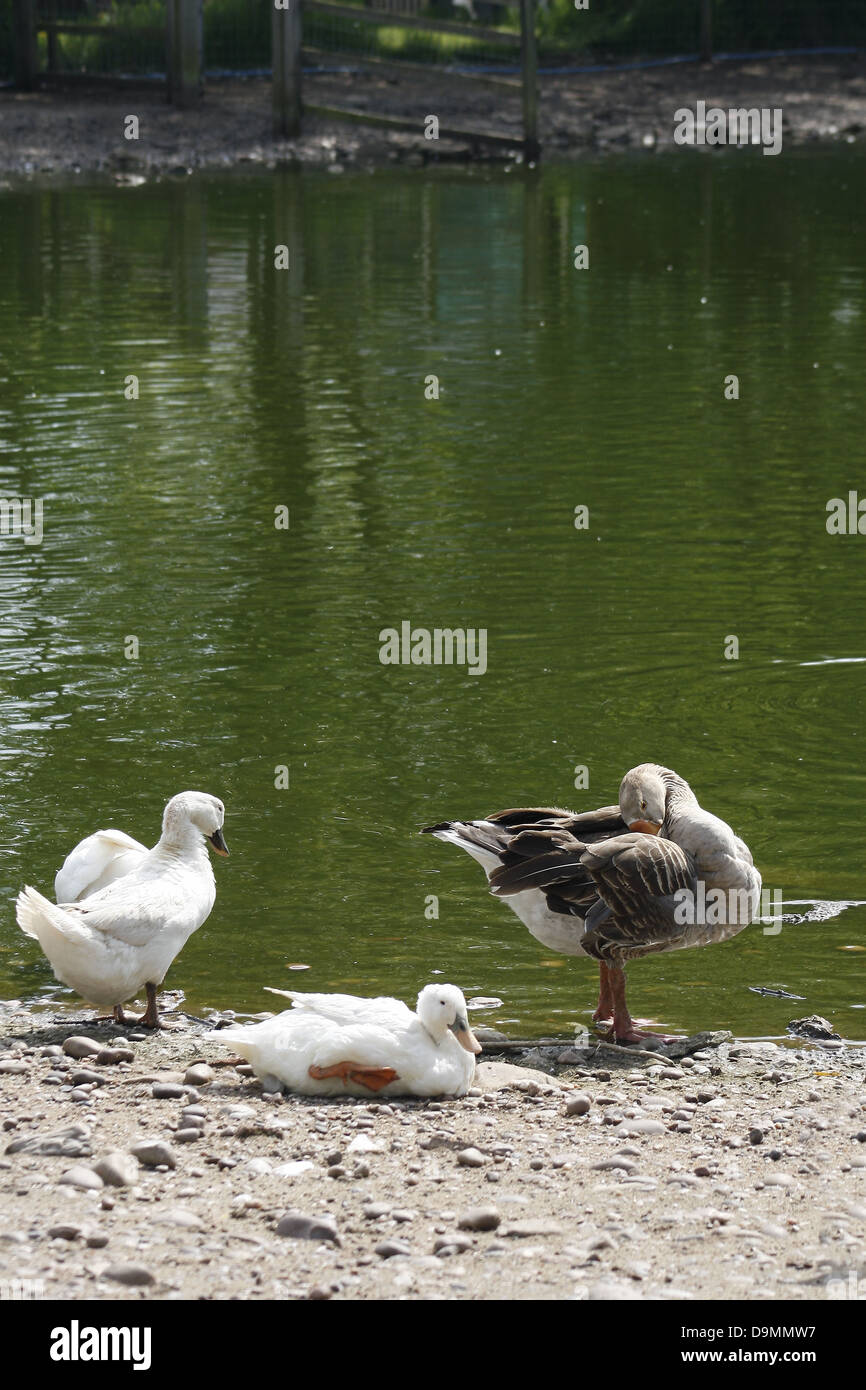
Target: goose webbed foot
{"x":624,"y":1030}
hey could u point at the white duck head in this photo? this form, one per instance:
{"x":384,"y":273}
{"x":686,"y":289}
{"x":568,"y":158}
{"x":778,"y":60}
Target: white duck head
{"x":442,"y":1007}
{"x":191,"y":814}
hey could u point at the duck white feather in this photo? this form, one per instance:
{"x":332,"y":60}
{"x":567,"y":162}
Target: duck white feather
{"x":125,"y":936}
{"x":100,"y":859}
{"x":367,"y":1045}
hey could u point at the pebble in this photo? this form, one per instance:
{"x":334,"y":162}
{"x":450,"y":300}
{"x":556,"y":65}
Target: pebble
{"x":88,"y":1078}
{"x":97,"y":1240}
{"x":111,"y":1056}
{"x":451,"y":1243}
{"x":373,"y":1210}
{"x":153,"y":1153}
{"x":389,"y":1248}
{"x":167,"y":1090}
{"x":779,"y":1180}
{"x":13,"y":1068}
{"x":117,"y":1169}
{"x":479,"y":1219}
{"x":71,"y":1142}
{"x":65,"y":1231}
{"x":577,"y":1104}
{"x":199,"y":1074}
{"x":133,"y":1275}
{"x":471,"y":1158}
{"x":296,"y":1226}
{"x":80,"y":1176}
{"x":179,"y":1216}
{"x":81,"y":1047}
{"x":187,"y":1135}
{"x":336,"y":1170}
{"x":523,"y":1229}
{"x":51,"y":1051}
{"x":756,"y":1136}
{"x":318,"y":1293}
{"x":641,"y":1127}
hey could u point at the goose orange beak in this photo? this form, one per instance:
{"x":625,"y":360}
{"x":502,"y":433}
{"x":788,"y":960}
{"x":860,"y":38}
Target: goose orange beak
{"x":645,"y":827}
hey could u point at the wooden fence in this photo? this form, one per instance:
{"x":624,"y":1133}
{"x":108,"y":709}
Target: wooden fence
{"x":185,"y":60}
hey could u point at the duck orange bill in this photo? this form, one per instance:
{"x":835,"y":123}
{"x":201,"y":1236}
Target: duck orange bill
{"x":645,"y":827}
{"x":465,"y":1036}
{"x":218,"y":842}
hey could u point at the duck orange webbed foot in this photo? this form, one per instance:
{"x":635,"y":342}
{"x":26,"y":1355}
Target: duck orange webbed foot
{"x":373,"y":1078}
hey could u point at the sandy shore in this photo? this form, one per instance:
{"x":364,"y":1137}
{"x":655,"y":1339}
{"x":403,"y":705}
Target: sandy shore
{"x":714,"y":1170}
{"x":81,"y":131}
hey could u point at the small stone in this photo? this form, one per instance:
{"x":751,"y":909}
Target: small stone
{"x":363,"y":1144}
{"x":523,"y":1229}
{"x":779,"y":1180}
{"x":187,"y":1135}
{"x":373,"y":1210}
{"x":97,"y":1240}
{"x":387,"y":1249}
{"x":117,"y":1169}
{"x":112,"y":1056}
{"x":337,"y":1170}
{"x":179,"y":1216}
{"x":65,"y":1231}
{"x":612,"y":1164}
{"x":452,"y":1242}
{"x":536,"y":1164}
{"x":641,"y":1127}
{"x":81,"y":1047}
{"x":13,"y":1068}
{"x":471,"y":1158}
{"x":167,"y":1090}
{"x":52,"y":1050}
{"x":79,"y":1176}
{"x":336,"y":1156}
{"x":133,"y":1275}
{"x":479,"y":1219}
{"x":577,"y":1104}
{"x":71,"y":1142}
{"x":153,"y":1153}
{"x":756,"y":1136}
{"x":296,"y":1226}
{"x":88,"y":1078}
{"x":199,"y":1074}
{"x":318,"y":1293}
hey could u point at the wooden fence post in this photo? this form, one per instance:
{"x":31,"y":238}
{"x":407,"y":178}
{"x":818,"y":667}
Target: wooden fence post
{"x":26,"y":53}
{"x":286,"y":64}
{"x":185,"y":50}
{"x":706,"y":31}
{"x":529,"y":67}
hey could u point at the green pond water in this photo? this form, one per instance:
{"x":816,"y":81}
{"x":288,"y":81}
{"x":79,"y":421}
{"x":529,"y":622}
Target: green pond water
{"x":259,"y":647}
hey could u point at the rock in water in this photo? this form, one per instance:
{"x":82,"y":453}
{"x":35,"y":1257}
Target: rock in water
{"x":813,"y":1027}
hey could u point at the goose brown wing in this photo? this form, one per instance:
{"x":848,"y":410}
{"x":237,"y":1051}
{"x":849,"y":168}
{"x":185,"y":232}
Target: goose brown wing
{"x":545,"y":851}
{"x":637,"y":878}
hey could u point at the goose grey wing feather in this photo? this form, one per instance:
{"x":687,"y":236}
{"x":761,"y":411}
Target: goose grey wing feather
{"x":637,"y":878}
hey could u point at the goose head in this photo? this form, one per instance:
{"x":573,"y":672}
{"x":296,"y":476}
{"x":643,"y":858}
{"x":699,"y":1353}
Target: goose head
{"x":190,"y":814}
{"x":442,"y":1007}
{"x":643,"y":798}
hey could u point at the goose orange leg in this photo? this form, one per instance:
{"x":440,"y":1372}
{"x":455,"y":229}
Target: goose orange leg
{"x":623,"y":1030}
{"x":604,"y":1011}
{"x":374,"y":1078}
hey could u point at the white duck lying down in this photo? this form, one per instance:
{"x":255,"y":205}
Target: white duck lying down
{"x":120,"y":937}
{"x":615,"y":883}
{"x":336,"y":1044}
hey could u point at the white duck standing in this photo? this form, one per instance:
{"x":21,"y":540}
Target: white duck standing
{"x":124,"y":936}
{"x":337,"y":1044}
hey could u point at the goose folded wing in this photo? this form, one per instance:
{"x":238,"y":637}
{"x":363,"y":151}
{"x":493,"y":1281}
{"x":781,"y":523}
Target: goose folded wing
{"x":641,"y":881}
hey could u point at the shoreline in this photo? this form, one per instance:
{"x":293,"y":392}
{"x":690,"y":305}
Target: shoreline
{"x":600,"y":1176}
{"x":79,"y":130}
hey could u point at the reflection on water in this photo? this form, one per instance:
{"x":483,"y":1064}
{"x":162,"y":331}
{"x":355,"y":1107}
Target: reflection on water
{"x":258,"y":646}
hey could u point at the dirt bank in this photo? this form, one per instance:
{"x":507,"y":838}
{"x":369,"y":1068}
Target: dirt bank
{"x":82,"y":131}
{"x":733,"y":1170}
